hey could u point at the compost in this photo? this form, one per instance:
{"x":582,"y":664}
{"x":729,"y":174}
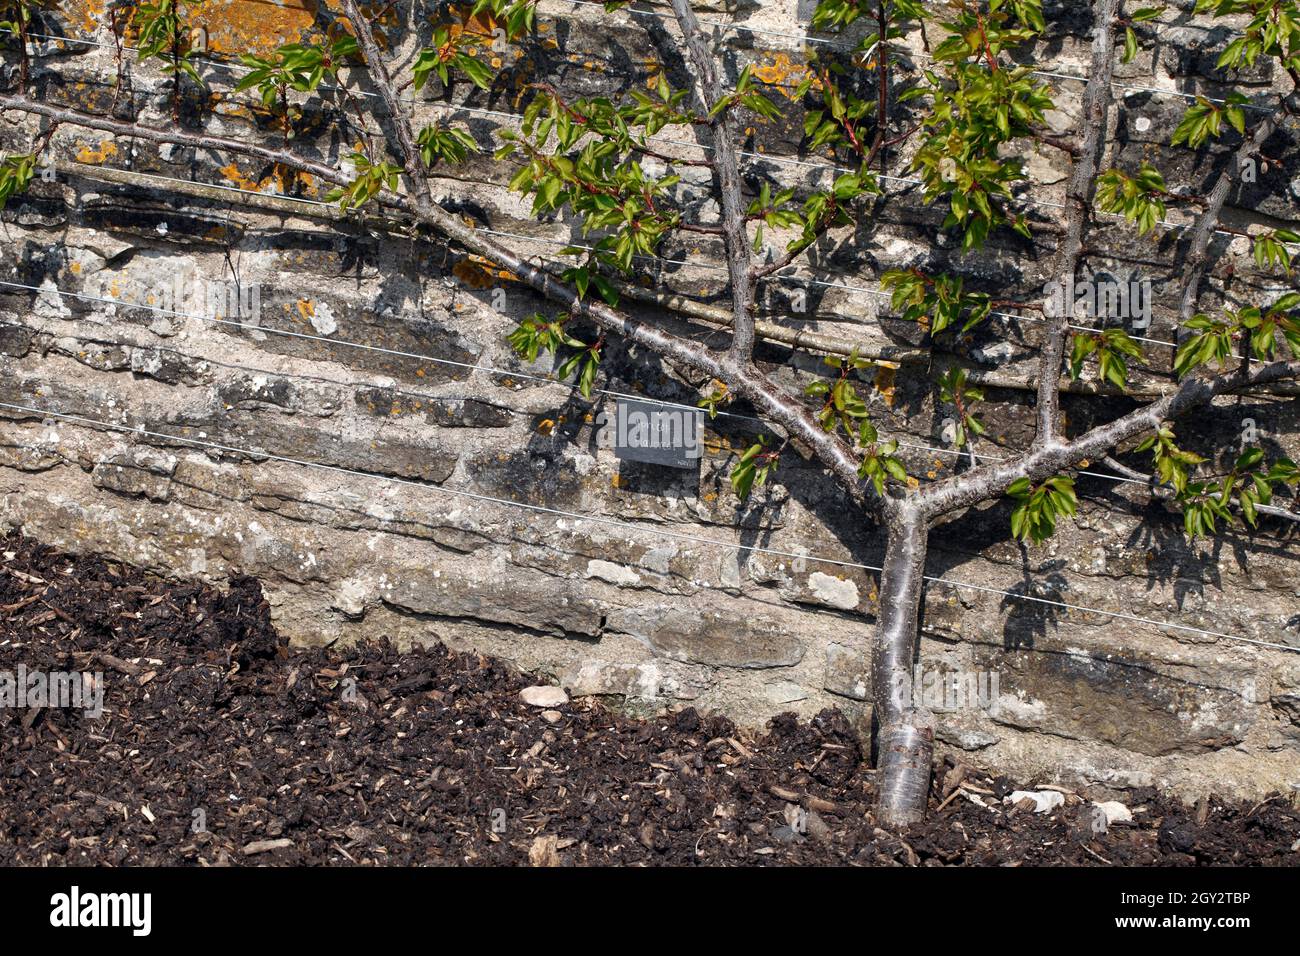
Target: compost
{"x":220,"y":745}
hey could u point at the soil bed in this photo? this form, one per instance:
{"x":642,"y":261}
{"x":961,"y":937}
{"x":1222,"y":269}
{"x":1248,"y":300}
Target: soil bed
{"x":220,"y":745}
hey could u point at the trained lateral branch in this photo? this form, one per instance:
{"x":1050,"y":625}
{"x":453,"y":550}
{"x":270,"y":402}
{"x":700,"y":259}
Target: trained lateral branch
{"x":726,"y":173}
{"x":1197,"y":260}
{"x":781,"y":408}
{"x":1083,"y":179}
{"x":1196,"y":391}
{"x":415,"y":176}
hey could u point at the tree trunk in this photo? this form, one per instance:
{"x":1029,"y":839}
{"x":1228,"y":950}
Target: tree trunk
{"x":904,"y":730}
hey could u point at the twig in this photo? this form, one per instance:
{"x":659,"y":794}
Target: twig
{"x":726,"y":178}
{"x":1095,"y":117}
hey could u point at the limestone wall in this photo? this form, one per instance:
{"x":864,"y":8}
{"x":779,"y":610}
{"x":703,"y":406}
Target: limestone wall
{"x":646,"y":614}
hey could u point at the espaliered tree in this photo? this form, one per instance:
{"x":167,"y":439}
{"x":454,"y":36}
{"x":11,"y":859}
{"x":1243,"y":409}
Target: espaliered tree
{"x":957,"y":124}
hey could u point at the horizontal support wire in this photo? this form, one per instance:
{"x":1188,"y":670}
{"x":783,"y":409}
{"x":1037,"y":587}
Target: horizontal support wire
{"x":420,"y":356}
{"x":748,"y":154}
{"x":628,"y":526}
{"x":1039,"y":69}
{"x":786,"y":278}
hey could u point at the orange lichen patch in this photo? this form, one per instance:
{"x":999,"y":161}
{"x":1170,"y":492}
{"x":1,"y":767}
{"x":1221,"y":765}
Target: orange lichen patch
{"x":885,"y":383}
{"x":280,"y":181}
{"x":254,"y":26}
{"x":545,"y":426}
{"x":479,"y":273}
{"x":784,"y":74}
{"x":306,"y":308}
{"x":233,"y":175}
{"x":84,"y":14}
{"x":96,"y":154}
{"x":616,"y":482}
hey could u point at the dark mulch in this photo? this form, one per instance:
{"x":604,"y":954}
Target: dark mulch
{"x":371,"y":755}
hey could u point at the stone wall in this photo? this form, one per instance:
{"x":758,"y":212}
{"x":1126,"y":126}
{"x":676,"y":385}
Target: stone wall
{"x":653,"y":615}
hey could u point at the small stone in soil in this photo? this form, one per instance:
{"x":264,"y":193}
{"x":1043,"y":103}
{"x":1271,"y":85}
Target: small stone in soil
{"x":543,"y":695}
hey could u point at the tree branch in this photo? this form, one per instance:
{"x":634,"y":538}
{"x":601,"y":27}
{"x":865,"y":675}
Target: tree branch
{"x":417,"y":183}
{"x":726,"y":177}
{"x":175,"y":137}
{"x":1197,"y":261}
{"x":1165,"y":492}
{"x":784,"y":409}
{"x":1095,"y":116}
{"x":972,"y":487}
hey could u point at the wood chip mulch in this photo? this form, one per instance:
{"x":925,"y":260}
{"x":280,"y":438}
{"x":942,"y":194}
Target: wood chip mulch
{"x":219,"y":745}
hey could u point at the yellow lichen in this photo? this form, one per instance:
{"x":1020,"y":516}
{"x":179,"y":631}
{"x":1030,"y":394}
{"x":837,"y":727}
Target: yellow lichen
{"x":254,"y":26}
{"x":97,"y":154}
{"x":479,"y":273}
{"x":884,"y":383}
{"x":783,"y":74}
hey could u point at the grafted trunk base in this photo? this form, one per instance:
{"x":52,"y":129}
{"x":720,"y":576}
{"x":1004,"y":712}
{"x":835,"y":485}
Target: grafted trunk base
{"x":906,"y":749}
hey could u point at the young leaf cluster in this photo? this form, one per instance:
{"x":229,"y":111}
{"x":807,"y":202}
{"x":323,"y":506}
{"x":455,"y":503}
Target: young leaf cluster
{"x":979,"y":104}
{"x":1214,"y":340}
{"x":295,"y":66}
{"x":371,"y":179}
{"x":954,"y":390}
{"x":938,"y":301}
{"x":16,"y":173}
{"x":1139,"y":198}
{"x":1112,"y":348}
{"x":754,"y":467}
{"x":162,"y":34}
{"x":1249,"y":484}
{"x":1038,"y":507}
{"x":538,"y":334}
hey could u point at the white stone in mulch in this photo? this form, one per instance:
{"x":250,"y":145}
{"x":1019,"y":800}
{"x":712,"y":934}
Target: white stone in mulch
{"x":1044,"y":800}
{"x":544,"y":695}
